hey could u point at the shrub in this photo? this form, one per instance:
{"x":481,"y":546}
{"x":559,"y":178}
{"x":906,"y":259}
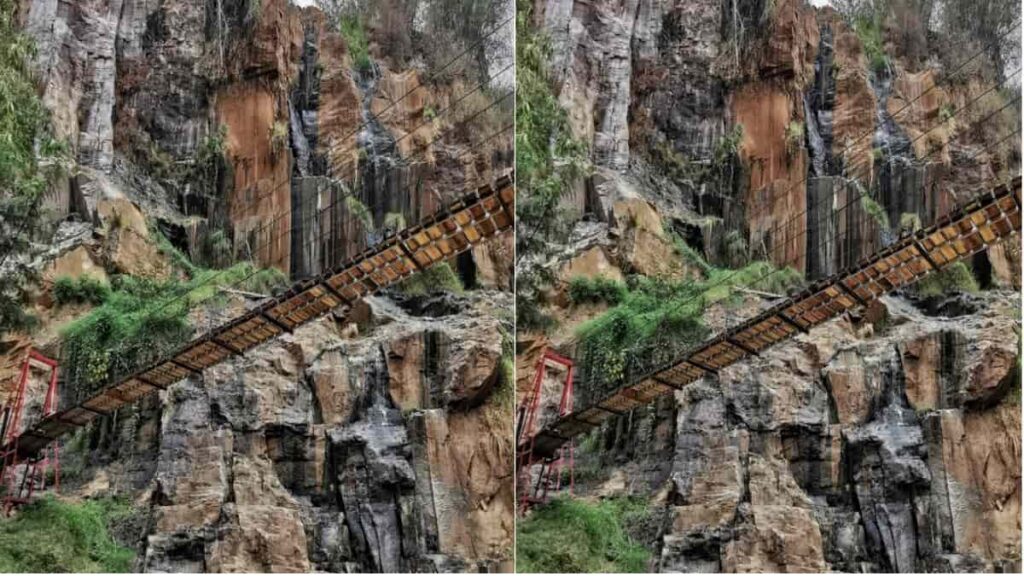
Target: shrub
{"x":657,"y":319}
{"x":54,"y":536}
{"x":437,"y":278}
{"x":570,"y":535}
{"x":83,"y":290}
{"x":956,"y":277}
{"x":141,"y":319}
{"x":869,"y":31}
{"x":351,"y":28}
{"x":596,"y":290}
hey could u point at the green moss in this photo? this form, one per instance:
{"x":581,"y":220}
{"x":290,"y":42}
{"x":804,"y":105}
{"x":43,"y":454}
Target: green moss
{"x":355,"y":38}
{"x":596,"y":290}
{"x":794,"y":136}
{"x":956,"y":277}
{"x":360,"y":212}
{"x":570,"y":535}
{"x":437,"y":278}
{"x":394,"y":221}
{"x":729,"y":145}
{"x":910,"y":221}
{"x":875,"y":210}
{"x":83,"y":290}
{"x":54,"y":536}
{"x":691,"y":257}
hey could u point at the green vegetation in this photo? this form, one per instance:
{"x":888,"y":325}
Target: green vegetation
{"x":875,"y":211}
{"x":278,"y":136}
{"x":691,"y":257}
{"x":359,"y":211}
{"x":352,"y":30}
{"x":656,"y":313}
{"x":429,"y":113}
{"x":729,"y":144}
{"x":548,"y":161}
{"x":437,"y":278}
{"x":83,"y":290}
{"x":29,"y":159}
{"x":570,"y":535}
{"x":794,"y":136}
{"x":140,"y":319}
{"x":54,"y":536}
{"x":596,"y":290}
{"x":946,"y":112}
{"x":956,"y":277}
{"x":394,"y":221}
{"x":869,"y":31}
{"x":910,"y":222}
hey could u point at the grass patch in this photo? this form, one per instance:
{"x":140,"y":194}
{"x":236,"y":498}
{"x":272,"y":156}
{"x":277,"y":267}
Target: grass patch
{"x":82,"y":290}
{"x":956,"y":277}
{"x":437,"y":278}
{"x":352,"y":30}
{"x":596,"y":290}
{"x":54,"y":536}
{"x":571,"y":535}
{"x":869,"y":31}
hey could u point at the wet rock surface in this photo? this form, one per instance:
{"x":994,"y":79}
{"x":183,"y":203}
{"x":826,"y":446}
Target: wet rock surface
{"x":843,"y":450}
{"x":319,"y":452}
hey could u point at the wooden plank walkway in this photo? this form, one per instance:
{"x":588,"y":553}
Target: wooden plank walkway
{"x":469,"y":221}
{"x":966,"y":230}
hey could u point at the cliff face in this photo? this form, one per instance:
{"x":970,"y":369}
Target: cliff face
{"x":382,"y":446}
{"x":375,"y":442}
{"x":886,"y":441}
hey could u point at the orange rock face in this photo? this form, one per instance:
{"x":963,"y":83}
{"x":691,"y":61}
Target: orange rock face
{"x":262,"y":171}
{"x":777,"y":191}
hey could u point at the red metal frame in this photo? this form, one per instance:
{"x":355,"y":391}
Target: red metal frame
{"x":34,"y":473}
{"x":551,"y":469}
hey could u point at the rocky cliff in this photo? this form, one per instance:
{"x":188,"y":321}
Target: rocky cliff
{"x":209,"y":135}
{"x":725,"y":133}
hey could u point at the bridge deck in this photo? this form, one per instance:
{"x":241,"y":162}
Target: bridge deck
{"x":993,"y":216}
{"x":464,"y":223}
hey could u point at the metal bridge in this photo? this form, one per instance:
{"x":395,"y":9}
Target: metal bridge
{"x":468,"y":221}
{"x":964,"y":231}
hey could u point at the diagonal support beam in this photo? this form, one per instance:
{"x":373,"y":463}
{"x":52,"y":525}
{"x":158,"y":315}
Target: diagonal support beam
{"x":703,"y":367}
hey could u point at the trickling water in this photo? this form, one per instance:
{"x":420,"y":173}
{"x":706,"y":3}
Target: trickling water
{"x":378,"y":155}
{"x":898,"y":182}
